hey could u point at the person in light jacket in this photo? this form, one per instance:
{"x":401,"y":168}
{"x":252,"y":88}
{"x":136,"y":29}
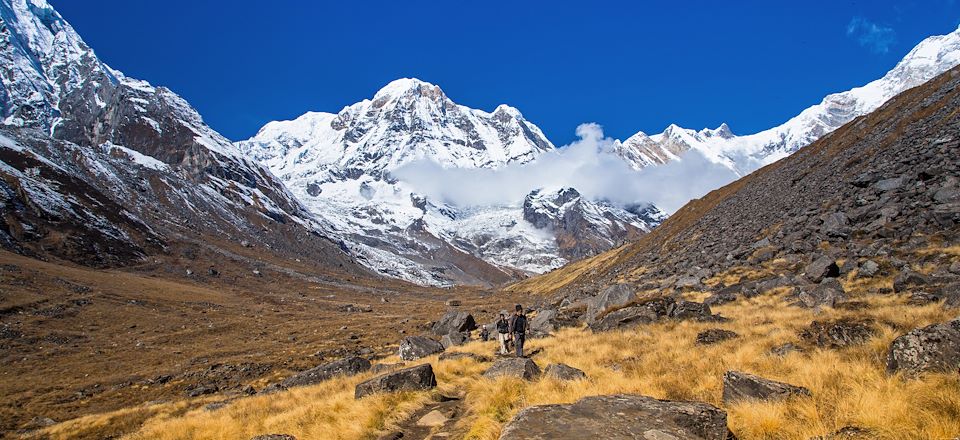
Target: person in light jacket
{"x":503,"y":333}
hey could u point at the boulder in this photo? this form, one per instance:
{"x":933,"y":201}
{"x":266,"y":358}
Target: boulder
{"x":454,"y":321}
{"x":417,"y":378}
{"x":611,"y":297}
{"x":828,"y":293}
{"x":868,"y":268}
{"x":274,"y":437}
{"x":521,"y":368}
{"x":714,"y":335}
{"x":889,"y":184}
{"x":432,"y":419}
{"x":838,"y":333}
{"x":343,"y":367}
{"x":564,"y":372}
{"x":908,"y":279}
{"x":689,"y":310}
{"x":453,"y":339}
{"x":784,"y":349}
{"x":934,"y":348}
{"x":688,"y":282}
{"x":820,"y":268}
{"x":454,"y":355}
{"x":543,"y":323}
{"x":835,"y":225}
{"x":644,"y":312}
{"x":416,"y":347}
{"x":453,"y":302}
{"x":619,"y":417}
{"x":743,"y":386}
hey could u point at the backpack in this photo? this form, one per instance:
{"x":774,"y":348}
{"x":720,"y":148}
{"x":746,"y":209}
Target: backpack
{"x":503,"y":326}
{"x":520,"y":324}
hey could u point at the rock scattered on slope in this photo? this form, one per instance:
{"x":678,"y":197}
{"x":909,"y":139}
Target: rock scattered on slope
{"x":274,"y":437}
{"x":611,"y":297}
{"x":521,"y":368}
{"x":454,"y":355}
{"x":416,"y":378}
{"x":454,"y":321}
{"x":416,"y":347}
{"x":564,"y":372}
{"x":740,"y":386}
{"x":828,"y":293}
{"x":838,"y":333}
{"x":343,"y":367}
{"x":453,"y":339}
{"x":620,"y":417}
{"x":934,"y":348}
{"x":715,"y":335}
{"x":820,"y":268}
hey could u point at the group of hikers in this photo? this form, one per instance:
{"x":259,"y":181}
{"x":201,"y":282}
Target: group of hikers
{"x":510,"y":331}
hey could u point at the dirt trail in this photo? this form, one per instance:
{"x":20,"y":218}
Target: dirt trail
{"x":436,"y":420}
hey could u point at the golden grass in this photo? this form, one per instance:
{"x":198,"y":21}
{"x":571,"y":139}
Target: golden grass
{"x":849,"y":386}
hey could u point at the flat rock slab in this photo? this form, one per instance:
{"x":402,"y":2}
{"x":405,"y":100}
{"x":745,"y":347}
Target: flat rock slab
{"x":343,"y":367}
{"x":417,"y":378}
{"x":620,"y":417}
{"x":274,"y":437}
{"x":744,"y":386}
{"x":454,"y":355}
{"x":432,"y":418}
{"x":934,"y":348}
{"x":521,"y":368}
{"x":838,"y":333}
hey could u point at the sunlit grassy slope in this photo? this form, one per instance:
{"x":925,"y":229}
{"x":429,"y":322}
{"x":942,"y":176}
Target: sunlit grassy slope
{"x":849,"y":386}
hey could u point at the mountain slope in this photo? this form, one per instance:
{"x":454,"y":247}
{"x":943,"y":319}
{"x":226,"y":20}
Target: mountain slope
{"x":884,"y":186}
{"x":341,"y":166}
{"x":744,"y":154}
{"x":105,"y":169}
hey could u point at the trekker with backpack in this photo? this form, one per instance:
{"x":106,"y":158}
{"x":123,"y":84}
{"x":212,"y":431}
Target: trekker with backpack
{"x":518,"y":327}
{"x":503,"y":333}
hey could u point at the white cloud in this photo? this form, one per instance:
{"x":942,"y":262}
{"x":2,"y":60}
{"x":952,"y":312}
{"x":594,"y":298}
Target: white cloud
{"x":874,"y":37}
{"x":589,"y":165}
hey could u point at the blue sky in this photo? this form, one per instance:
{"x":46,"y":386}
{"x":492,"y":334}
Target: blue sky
{"x":628,"y":66}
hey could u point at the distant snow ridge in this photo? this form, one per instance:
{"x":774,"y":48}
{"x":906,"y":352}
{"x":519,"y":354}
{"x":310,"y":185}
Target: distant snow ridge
{"x":339,"y":166}
{"x":744,"y":154}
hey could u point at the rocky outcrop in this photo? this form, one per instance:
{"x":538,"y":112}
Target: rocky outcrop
{"x":416,"y":347}
{"x":521,"y":368}
{"x":644,"y":312}
{"x":934,"y":348}
{"x":343,"y":367}
{"x":564,"y":372}
{"x":453,"y":339}
{"x":619,"y":417}
{"x":454,"y":321}
{"x":743,"y":386}
{"x":820,"y":268}
{"x":828,"y":294}
{"x":838,"y":333}
{"x":417,"y":378}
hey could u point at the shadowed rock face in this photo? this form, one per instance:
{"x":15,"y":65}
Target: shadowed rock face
{"x":416,"y":378}
{"x":619,"y":417}
{"x":739,"y":386}
{"x":934,"y":348}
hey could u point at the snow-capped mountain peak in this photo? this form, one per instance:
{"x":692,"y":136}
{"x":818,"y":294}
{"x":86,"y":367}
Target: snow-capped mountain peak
{"x":743,"y":154}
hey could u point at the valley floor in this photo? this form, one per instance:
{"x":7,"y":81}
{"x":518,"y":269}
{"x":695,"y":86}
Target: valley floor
{"x":76,"y":341}
{"x":849,"y":386}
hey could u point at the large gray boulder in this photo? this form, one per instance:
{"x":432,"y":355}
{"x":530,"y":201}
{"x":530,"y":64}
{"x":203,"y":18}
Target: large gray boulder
{"x":645,"y":312}
{"x":934,"y":348}
{"x":343,"y":367}
{"x":564,"y":372}
{"x":820,"y":268}
{"x":416,"y":347}
{"x":544,"y":323}
{"x":417,"y":378}
{"x":454,"y":321}
{"x":909,"y":279}
{"x":743,"y":386}
{"x":611,"y":297}
{"x":453,"y":339}
{"x":521,"y":368}
{"x":838,"y":333}
{"x":828,"y":293}
{"x":620,"y":417}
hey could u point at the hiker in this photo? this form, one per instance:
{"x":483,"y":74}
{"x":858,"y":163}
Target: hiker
{"x":503,"y":333}
{"x":518,"y":328}
{"x":484,"y":334}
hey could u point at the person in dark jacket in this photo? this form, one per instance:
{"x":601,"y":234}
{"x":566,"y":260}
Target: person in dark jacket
{"x":518,"y":328}
{"x":503,"y":333}
{"x":484,"y":334}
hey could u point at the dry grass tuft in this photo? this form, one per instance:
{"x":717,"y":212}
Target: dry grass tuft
{"x":849,"y":386}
